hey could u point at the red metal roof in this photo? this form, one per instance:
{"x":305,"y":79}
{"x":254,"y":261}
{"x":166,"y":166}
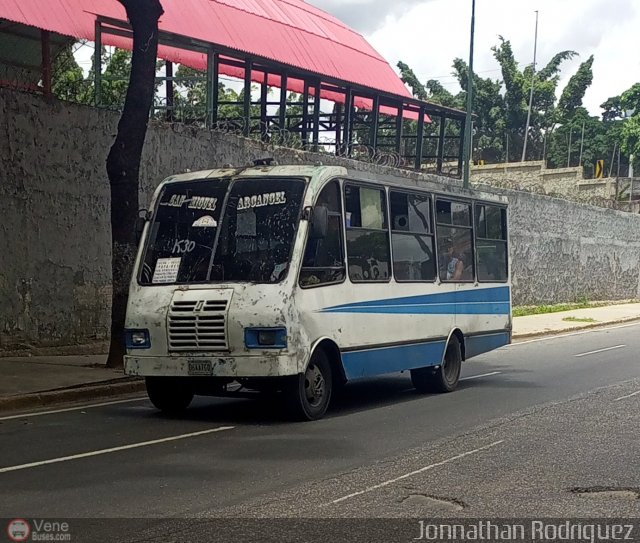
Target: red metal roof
{"x":287,"y":31}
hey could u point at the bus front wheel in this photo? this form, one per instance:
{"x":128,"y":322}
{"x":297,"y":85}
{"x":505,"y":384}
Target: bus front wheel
{"x":443,"y":378}
{"x":309,"y":393}
{"x":169,"y":394}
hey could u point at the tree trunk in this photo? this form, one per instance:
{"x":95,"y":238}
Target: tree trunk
{"x":123,"y":162}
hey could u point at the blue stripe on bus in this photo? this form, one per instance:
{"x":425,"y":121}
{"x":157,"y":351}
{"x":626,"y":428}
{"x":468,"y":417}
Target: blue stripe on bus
{"x":381,"y":360}
{"x":486,"y":301}
{"x":376,"y":361}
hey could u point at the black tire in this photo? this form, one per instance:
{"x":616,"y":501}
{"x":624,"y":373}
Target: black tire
{"x":443,"y":378}
{"x":171,"y":395}
{"x":308,"y":394}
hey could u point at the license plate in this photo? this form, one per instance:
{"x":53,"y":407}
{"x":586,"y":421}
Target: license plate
{"x":200,"y":367}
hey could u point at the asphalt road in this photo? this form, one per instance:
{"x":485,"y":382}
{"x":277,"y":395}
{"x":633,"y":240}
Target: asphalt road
{"x":546,"y":427}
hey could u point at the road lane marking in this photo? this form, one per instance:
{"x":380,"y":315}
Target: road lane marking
{"x":78,"y":408}
{"x":588,"y":331}
{"x":600,"y":350}
{"x":627,"y":396}
{"x":113,"y":449}
{"x":480,"y":376}
{"x":412,"y":473}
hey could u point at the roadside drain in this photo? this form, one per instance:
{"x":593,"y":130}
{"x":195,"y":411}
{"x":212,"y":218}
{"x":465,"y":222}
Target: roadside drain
{"x":432,"y":502}
{"x":608,"y":492}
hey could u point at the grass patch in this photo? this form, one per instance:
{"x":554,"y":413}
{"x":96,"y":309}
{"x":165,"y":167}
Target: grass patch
{"x":524,"y":310}
{"x":578,"y":319}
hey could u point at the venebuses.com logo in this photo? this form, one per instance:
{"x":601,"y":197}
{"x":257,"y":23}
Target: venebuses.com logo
{"x":18,"y":529}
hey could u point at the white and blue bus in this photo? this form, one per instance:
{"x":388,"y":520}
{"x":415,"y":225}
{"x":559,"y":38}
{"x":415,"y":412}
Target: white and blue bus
{"x":297,"y":279}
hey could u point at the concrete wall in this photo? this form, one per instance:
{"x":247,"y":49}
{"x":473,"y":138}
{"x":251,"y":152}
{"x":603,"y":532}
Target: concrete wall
{"x":564,"y":251}
{"x":54,"y":232}
{"x":535,"y":177}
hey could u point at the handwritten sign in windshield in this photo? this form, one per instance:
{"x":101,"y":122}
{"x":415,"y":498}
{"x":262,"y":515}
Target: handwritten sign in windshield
{"x":166,"y":270}
{"x":206,"y":203}
{"x":261,"y":200}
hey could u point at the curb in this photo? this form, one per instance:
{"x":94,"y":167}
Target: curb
{"x":73,"y":394}
{"x":586,"y":326}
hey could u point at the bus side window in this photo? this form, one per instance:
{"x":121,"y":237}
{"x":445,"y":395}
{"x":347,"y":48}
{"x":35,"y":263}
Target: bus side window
{"x":323,"y":261}
{"x":455,"y":240}
{"x":412,"y":237}
{"x":368,"y":251}
{"x":491,"y":243}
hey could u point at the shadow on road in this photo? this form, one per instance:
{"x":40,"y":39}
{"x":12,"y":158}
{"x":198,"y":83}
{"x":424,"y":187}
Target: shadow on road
{"x":357,"y":396}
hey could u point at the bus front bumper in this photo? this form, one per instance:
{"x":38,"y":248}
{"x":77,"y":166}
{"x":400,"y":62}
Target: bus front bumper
{"x":263,"y":365}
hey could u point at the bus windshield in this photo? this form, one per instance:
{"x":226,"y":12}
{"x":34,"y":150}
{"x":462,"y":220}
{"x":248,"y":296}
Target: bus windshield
{"x":194,"y":240}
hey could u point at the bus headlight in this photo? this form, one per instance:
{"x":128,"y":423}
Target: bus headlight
{"x":265,"y":338}
{"x":137,"y":339}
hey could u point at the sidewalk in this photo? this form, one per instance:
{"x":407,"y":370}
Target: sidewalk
{"x":37,"y":381}
{"x":556,"y":323}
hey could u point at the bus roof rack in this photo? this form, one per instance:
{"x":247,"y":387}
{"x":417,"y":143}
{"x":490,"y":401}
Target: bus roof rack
{"x":269,"y":161}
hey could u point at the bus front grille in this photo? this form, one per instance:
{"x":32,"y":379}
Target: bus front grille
{"x":198,"y":325}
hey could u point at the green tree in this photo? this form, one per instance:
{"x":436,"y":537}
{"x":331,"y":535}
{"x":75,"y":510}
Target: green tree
{"x":500,"y":106}
{"x":630,"y":132}
{"x":488,"y":107}
{"x":409,"y":77}
{"x":517,"y":88}
{"x":573,"y":94}
{"x":68,"y":81}
{"x":115,"y":78}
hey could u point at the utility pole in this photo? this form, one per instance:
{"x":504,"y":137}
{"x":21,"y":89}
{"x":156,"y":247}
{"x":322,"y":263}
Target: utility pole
{"x":507,"y":157}
{"x":569,"y":148}
{"x":581,"y":144}
{"x":467,"y":123}
{"x":613,"y":157}
{"x":533,"y":77}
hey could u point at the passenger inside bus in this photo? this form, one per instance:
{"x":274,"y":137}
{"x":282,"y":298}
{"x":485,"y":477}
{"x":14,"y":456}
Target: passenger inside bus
{"x":455,"y":263}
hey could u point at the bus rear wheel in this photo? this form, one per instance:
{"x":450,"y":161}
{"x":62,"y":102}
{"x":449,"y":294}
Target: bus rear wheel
{"x":308,"y":394}
{"x":443,"y":378}
{"x":171,"y":395}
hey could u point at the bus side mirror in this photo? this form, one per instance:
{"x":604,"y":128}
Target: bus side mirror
{"x":141,"y":220}
{"x":319,"y":222}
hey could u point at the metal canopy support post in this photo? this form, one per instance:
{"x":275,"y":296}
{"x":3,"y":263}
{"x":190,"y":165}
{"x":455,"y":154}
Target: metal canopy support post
{"x":247,"y":97}
{"x":440,"y":159}
{"x":373,"y":136}
{"x":316,"y":115}
{"x":348,"y":120}
{"x":461,"y":162}
{"x":97,"y":64}
{"x":213,"y":68}
{"x":305,"y":115}
{"x":169,"y":90}
{"x":399,"y":126}
{"x":420,"y":139}
{"x":264,"y":92}
{"x":45,"y":39}
{"x":338,"y":126}
{"x":282,"y":114}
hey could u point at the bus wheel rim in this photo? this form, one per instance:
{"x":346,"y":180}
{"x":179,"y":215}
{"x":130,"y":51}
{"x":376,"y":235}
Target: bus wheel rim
{"x":314,"y":385}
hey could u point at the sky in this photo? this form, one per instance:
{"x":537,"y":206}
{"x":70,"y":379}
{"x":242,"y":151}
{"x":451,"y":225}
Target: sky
{"x":428,"y":34}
